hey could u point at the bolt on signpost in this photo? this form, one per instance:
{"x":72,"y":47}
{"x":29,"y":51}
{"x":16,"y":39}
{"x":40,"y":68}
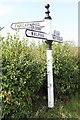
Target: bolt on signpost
{"x":35,"y":29}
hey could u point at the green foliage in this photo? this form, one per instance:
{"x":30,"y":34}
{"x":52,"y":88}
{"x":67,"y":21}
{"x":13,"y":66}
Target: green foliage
{"x":65,"y":63}
{"x":24,"y":72}
{"x":68,"y":110}
{"x":0,"y":77}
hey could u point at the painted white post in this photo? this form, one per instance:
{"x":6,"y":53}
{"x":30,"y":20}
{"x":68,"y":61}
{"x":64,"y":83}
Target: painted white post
{"x":50,"y":79}
{"x":48,"y":30}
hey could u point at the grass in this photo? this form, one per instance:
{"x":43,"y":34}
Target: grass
{"x":69,"y":109}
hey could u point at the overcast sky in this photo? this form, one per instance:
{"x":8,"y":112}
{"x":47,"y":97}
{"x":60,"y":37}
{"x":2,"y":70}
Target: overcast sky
{"x":64,"y":15}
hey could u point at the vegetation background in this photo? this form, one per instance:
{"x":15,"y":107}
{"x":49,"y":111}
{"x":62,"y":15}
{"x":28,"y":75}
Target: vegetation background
{"x":23,"y":79}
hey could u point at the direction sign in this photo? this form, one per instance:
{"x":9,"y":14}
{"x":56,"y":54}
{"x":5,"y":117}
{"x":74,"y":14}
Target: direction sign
{"x":35,"y":34}
{"x":33,"y":25}
{"x":56,"y":37}
{"x":56,"y":33}
{"x":43,"y":35}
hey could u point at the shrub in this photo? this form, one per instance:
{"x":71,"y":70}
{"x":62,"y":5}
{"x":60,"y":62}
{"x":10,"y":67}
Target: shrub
{"x":65,"y":59}
{"x":22,"y":75}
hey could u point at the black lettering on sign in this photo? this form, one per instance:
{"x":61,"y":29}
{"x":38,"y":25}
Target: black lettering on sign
{"x":31,"y":33}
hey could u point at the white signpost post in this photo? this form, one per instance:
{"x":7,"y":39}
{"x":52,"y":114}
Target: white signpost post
{"x":48,"y":30}
{"x":35,"y":29}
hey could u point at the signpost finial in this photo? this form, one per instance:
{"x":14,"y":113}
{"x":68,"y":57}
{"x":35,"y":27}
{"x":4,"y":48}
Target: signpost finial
{"x":47,"y":12}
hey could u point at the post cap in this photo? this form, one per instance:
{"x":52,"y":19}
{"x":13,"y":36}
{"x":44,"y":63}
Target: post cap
{"x":47,"y":6}
{"x":47,"y":12}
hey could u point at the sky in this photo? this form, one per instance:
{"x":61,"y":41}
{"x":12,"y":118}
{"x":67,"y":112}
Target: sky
{"x":64,"y":15}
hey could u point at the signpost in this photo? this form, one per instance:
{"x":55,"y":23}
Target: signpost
{"x":43,"y":35}
{"x":34,"y":25}
{"x":35,"y":34}
{"x":48,"y":30}
{"x":35,"y":29}
{"x":56,"y":37}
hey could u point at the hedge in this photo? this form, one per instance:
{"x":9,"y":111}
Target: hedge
{"x":24,"y":72}
{"x":66,"y":71}
{"x":22,"y":76}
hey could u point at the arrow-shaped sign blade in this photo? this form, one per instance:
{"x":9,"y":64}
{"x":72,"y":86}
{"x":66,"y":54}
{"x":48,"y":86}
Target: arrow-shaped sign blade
{"x":57,"y":39}
{"x":35,"y":34}
{"x":33,"y":25}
